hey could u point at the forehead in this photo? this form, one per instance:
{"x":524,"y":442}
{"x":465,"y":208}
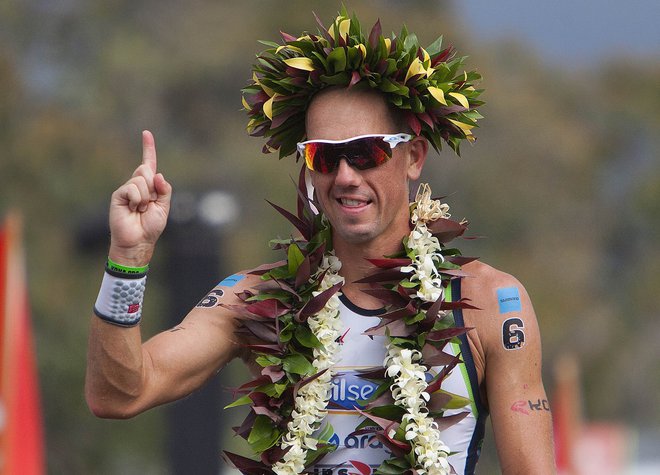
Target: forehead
{"x":340,"y":113}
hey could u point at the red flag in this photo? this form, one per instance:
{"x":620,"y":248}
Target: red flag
{"x":21,"y":427}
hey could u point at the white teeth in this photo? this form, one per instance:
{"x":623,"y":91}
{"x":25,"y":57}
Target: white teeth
{"x":347,"y":202}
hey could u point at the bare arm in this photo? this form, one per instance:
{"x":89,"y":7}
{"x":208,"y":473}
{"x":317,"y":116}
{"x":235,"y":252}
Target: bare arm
{"x":507,"y":349}
{"x":519,"y":408}
{"x":125,"y":377}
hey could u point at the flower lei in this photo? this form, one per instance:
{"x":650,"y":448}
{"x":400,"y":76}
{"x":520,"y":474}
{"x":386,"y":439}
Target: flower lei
{"x":312,"y":400}
{"x":292,"y":318}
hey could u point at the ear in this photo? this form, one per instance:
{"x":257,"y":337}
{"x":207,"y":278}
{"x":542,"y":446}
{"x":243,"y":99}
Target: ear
{"x":418,"y":148}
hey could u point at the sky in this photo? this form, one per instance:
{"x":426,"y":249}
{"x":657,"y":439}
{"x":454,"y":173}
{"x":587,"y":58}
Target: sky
{"x":571,"y":32}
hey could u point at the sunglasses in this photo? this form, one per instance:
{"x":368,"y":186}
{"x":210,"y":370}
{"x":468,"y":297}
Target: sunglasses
{"x":361,"y":152}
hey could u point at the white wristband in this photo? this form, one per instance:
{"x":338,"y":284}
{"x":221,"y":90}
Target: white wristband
{"x":120,"y":300}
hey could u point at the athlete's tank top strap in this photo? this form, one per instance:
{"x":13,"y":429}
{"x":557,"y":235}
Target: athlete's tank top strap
{"x":474,"y":450}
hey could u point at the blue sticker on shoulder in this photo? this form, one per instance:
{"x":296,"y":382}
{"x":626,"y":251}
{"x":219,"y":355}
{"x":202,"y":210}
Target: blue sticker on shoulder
{"x":232,"y":280}
{"x":508,"y":299}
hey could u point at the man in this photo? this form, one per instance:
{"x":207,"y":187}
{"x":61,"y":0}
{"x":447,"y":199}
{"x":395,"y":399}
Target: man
{"x":366,"y":202}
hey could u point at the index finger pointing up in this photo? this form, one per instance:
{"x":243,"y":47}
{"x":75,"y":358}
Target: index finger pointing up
{"x":149,"y":150}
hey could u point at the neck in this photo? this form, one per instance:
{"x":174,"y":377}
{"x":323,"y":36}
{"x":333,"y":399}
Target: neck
{"x":355,"y":266}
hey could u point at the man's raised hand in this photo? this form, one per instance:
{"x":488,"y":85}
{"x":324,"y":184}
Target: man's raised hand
{"x":139,"y":210}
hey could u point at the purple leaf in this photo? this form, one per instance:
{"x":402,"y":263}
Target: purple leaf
{"x":438,"y":401}
{"x":268,"y":349}
{"x":298,"y":223}
{"x":375,"y":372}
{"x":375,"y":34}
{"x":273,"y":455}
{"x":384,"y":276}
{"x":265,"y":332}
{"x":433,"y":356}
{"x":399,"y":449}
{"x":445,"y":422}
{"x":387,"y":296}
{"x":315,"y":304}
{"x":275,"y":373}
{"x":244,"y":429}
{"x":355,"y":78}
{"x":270,"y":308}
{"x":447,"y":333}
{"x":446,"y":229}
{"x":264,"y":411}
{"x":385,"y":263}
{"x":247,"y":387}
{"x":462,"y":303}
{"x":460,"y":260}
{"x":385,"y":424}
{"x":303,"y":273}
{"x":437,"y":381}
{"x":287,"y":37}
{"x":395,"y":328}
{"x":323,"y":31}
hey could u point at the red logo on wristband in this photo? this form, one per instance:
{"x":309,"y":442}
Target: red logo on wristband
{"x":133,"y":308}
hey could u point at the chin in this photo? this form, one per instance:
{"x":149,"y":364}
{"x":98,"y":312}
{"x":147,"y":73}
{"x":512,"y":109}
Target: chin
{"x":356,"y":236}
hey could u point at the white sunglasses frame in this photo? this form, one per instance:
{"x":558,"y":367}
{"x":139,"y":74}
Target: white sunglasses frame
{"x":392,"y":139}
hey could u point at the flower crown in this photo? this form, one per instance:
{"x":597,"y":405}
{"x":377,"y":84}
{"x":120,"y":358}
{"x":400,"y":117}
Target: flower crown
{"x":438,"y":101}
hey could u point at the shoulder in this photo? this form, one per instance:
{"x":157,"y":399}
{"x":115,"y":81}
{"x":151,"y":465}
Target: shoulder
{"x":226,"y":292}
{"x":217,"y":315}
{"x":504,"y":319}
{"x":493,"y":290}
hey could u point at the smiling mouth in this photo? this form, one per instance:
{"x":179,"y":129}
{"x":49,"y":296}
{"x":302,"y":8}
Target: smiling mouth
{"x":352,"y":203}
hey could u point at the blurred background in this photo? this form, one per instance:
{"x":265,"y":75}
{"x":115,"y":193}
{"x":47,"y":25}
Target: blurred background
{"x":563,"y":184}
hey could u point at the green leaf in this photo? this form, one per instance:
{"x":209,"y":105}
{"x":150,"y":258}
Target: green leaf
{"x":282,"y":296}
{"x":286,"y":333}
{"x":434,"y":48}
{"x":406,"y":284}
{"x":306,"y":338}
{"x":268,"y":360}
{"x":456,"y":401}
{"x":241,"y":401}
{"x":263,"y":434}
{"x":295,"y":257}
{"x":380,"y":390}
{"x":297,"y":364}
{"x":326,"y":433}
{"x":391,"y":412}
{"x":415,"y":318}
{"x":272,"y":389}
{"x":393,"y":467}
{"x":337,"y":61}
{"x":339,"y":79}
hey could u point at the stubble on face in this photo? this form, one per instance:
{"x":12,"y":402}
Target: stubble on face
{"x":365,"y":207}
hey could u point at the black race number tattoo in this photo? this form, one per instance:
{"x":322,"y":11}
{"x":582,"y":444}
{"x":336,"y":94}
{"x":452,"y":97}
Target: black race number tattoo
{"x":211,"y":300}
{"x":513,"y":335}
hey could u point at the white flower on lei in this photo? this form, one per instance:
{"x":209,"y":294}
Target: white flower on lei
{"x":310,"y":405}
{"x":409,"y":392}
{"x":426,"y":209}
{"x":426,"y":248}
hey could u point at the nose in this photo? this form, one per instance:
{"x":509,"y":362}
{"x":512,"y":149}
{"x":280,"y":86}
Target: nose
{"x":347,"y":175}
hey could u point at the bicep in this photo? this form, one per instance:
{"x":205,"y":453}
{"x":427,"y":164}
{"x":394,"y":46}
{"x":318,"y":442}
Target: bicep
{"x":181,"y":359}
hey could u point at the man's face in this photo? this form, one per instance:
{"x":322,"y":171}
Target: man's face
{"x":364,"y":206}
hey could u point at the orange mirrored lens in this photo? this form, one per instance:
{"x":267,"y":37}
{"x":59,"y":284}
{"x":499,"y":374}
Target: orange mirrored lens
{"x":362,"y":154}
